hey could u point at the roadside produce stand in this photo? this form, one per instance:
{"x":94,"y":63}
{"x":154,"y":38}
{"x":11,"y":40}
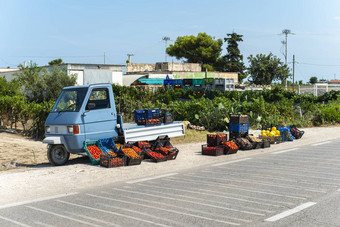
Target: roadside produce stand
{"x":85,"y":115}
{"x":240,"y":139}
{"x":105,"y":152}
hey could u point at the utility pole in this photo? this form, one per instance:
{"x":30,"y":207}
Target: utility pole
{"x":286,"y":32}
{"x":129,"y":57}
{"x":166,"y":39}
{"x":293,"y":70}
{"x":104,"y":58}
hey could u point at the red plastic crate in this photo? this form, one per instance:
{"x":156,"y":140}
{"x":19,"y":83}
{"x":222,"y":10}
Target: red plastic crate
{"x":213,"y":151}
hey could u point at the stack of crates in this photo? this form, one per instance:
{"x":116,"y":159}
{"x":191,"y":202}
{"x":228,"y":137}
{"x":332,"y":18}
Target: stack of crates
{"x":187,"y":84}
{"x":178,"y":83}
{"x":214,"y":145}
{"x":238,"y":125}
{"x":197,"y":84}
{"x":168,"y":82}
{"x":147,"y":117}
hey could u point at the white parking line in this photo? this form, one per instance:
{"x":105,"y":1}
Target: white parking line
{"x":272,"y":170}
{"x":266,"y":201}
{"x":62,"y":216}
{"x":339,"y":190}
{"x":36,"y":200}
{"x":94,"y":219}
{"x":247,"y":171}
{"x":292,"y":167}
{"x":151,"y":178}
{"x":322,"y":143}
{"x":236,"y":187}
{"x":210,"y":193}
{"x":257,"y":182}
{"x":15,"y":222}
{"x":189,"y":201}
{"x":43,"y":224}
{"x":167,"y":210}
{"x":284,"y":151}
{"x":162,"y":218}
{"x":263,"y":177}
{"x":177,"y":209}
{"x":109,"y":212}
{"x":290,"y":212}
{"x":229,"y":162}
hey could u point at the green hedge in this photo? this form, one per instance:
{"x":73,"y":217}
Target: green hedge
{"x":208,"y":109}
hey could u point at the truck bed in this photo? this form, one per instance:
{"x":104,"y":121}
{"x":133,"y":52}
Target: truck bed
{"x":133,"y":132}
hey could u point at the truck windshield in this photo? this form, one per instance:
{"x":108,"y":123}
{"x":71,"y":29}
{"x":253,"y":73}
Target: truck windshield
{"x":70,"y":100}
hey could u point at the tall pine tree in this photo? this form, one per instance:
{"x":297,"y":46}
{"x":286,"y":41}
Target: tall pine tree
{"x":233,"y":60}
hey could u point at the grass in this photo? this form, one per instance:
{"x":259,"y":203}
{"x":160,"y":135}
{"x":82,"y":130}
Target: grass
{"x":191,"y":136}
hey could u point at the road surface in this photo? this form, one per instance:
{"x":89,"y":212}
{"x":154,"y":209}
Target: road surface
{"x":293,"y":187}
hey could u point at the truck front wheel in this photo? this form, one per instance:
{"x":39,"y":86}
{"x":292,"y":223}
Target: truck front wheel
{"x":57,"y":155}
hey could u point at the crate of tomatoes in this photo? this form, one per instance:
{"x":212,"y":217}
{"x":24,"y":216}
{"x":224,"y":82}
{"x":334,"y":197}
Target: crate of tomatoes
{"x":169,"y":151}
{"x":213,"y":151}
{"x":110,"y":161}
{"x":93,"y":151}
{"x":143,"y":144}
{"x":135,"y":147}
{"x":155,"y":156}
{"x":230,"y":147}
{"x":132,"y":157}
{"x":214,"y":140}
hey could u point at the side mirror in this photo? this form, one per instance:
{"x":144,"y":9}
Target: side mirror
{"x":91,"y":106}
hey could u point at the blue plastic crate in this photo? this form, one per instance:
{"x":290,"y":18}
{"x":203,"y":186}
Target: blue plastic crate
{"x":178,"y":82}
{"x":168,"y":83}
{"x":284,"y":130}
{"x":238,"y":127}
{"x":108,"y":144}
{"x":152,"y":114}
{"x":140,"y":115}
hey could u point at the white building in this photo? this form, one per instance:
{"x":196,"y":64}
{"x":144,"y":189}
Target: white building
{"x":85,"y":73}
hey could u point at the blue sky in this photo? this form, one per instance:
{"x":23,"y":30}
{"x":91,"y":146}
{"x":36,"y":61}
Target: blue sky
{"x":82,"y":30}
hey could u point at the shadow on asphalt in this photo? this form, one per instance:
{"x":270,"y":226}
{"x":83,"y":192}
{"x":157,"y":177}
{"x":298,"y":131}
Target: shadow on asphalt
{"x":80,"y":160}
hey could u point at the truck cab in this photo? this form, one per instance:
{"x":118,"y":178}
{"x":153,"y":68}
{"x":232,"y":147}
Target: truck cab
{"x":85,"y":113}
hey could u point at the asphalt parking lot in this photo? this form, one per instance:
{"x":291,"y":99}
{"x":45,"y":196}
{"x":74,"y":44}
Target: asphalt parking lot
{"x":293,"y":187}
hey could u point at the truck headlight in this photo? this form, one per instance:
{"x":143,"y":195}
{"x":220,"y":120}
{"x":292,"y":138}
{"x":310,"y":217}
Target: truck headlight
{"x":47,"y":129}
{"x":73,"y":129}
{"x":70,"y":129}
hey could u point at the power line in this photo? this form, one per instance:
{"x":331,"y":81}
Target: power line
{"x":57,"y":56}
{"x":303,"y":63}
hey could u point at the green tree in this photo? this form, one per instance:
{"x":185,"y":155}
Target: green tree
{"x":264,"y":69}
{"x":313,"y":80}
{"x":56,"y":62}
{"x":202,"y":49}
{"x":233,"y":60}
{"x":29,"y":78}
{"x":10,"y":88}
{"x":43,"y":85}
{"x":54,"y":81}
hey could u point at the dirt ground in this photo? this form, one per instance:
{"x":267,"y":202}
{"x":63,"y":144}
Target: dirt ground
{"x":37,"y":178}
{"x":18,"y":151}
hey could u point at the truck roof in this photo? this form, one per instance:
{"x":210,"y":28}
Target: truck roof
{"x":89,"y":85}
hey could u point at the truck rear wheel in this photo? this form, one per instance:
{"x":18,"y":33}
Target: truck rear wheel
{"x":57,"y":155}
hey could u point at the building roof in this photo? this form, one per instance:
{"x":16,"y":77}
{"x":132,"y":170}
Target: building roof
{"x":89,"y":64}
{"x":334,"y":81}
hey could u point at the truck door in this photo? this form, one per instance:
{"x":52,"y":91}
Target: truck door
{"x":99,"y":117}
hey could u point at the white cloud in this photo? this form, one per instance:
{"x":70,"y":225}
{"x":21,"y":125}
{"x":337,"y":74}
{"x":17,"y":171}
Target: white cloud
{"x":336,"y":18}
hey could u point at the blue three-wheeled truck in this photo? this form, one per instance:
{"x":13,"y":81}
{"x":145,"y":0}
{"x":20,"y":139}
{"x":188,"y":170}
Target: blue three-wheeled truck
{"x":85,"y":113}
